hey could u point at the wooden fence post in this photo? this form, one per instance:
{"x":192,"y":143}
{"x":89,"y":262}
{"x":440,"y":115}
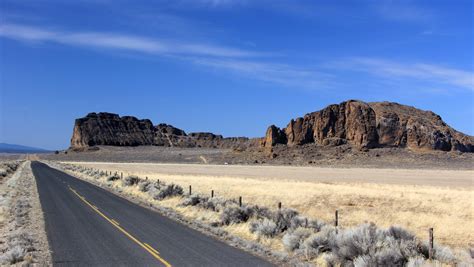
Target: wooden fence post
{"x":431,"y":245}
{"x":121,"y":175}
{"x":240,"y":201}
{"x":190,"y":191}
{"x":279,"y":205}
{"x":212,"y":193}
{"x":336,"y":220}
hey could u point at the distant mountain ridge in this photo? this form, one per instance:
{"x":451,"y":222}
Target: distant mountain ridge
{"x":356,"y":123}
{"x":13,"y":148}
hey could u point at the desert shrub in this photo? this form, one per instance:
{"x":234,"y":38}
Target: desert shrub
{"x":399,"y":233}
{"x":167,"y":191}
{"x":301,"y":221}
{"x":356,"y":242}
{"x":323,"y":241}
{"x":21,"y":211}
{"x":283,"y":218}
{"x":294,"y":239}
{"x":11,"y":166}
{"x":265,"y":227}
{"x":364,"y":261}
{"x":217,"y":203}
{"x":7,"y":168}
{"x":152,"y":188}
{"x":367,"y":245}
{"x":416,"y":262}
{"x":441,"y":253}
{"x":144,"y":186}
{"x":194,"y":200}
{"x":130,"y":180}
{"x":23,"y":240}
{"x":388,"y":256}
{"x":235,"y":214}
{"x":19,"y":244}
{"x":12,"y":255}
{"x":114,"y":177}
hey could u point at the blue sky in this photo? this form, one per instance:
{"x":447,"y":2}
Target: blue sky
{"x":229,"y":67}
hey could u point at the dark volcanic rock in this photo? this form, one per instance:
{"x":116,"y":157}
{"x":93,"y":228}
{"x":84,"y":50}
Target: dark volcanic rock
{"x":110,"y":129}
{"x":274,"y":136}
{"x":406,"y":126}
{"x":113,"y":130}
{"x":369,"y":125}
{"x":352,"y":123}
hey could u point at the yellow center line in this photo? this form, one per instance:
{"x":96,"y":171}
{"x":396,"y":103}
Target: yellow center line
{"x":145,"y":246}
{"x":150,"y":247}
{"x":115,"y":222}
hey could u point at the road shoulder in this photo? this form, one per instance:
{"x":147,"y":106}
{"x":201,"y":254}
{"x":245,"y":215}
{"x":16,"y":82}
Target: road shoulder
{"x":23,"y":238}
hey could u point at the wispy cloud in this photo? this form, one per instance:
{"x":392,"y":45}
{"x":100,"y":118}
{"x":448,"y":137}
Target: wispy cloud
{"x":303,"y":78}
{"x":416,"y":71}
{"x":215,"y":3}
{"x":120,"y":41}
{"x":402,"y":11}
{"x":251,"y":64}
{"x":243,"y":62}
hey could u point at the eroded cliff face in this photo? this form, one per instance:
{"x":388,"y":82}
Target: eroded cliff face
{"x":113,"y":130}
{"x":362,"y":125}
{"x":406,"y":126}
{"x":369,"y":125}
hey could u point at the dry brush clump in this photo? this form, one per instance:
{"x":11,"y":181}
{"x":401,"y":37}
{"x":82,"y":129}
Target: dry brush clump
{"x":305,"y":238}
{"x":130,"y":180}
{"x":8,"y":167}
{"x":366,"y":245}
{"x":157,"y":190}
{"x":22,"y":241}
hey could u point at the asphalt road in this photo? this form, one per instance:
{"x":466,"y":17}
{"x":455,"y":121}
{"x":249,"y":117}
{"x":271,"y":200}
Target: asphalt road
{"x":89,"y":226}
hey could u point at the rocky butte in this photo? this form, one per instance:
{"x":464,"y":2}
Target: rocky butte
{"x":369,"y":125}
{"x":359,"y":124}
{"x":112,"y":130}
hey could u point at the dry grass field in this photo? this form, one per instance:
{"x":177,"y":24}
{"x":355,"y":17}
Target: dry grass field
{"x":414,"y":199}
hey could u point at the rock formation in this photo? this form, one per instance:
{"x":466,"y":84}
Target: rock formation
{"x":369,"y":125}
{"x":359,"y":124}
{"x":111,"y":129}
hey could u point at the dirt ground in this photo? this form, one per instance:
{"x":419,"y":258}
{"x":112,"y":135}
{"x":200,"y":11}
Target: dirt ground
{"x":414,"y":199}
{"x":307,"y":155}
{"x":448,"y":178}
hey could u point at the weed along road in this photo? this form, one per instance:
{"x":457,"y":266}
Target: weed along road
{"x":89,"y":226}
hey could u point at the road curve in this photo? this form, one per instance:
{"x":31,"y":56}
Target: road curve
{"x":89,"y":226}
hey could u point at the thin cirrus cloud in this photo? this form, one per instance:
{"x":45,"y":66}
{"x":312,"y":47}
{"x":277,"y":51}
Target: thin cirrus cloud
{"x":389,"y":70}
{"x":402,"y":12}
{"x":217,"y":57}
{"x":119,"y":41}
{"x":278,"y":73}
{"x":249,"y":63}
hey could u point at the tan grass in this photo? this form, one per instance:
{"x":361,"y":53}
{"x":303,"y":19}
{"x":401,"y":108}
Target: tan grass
{"x":416,"y":207}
